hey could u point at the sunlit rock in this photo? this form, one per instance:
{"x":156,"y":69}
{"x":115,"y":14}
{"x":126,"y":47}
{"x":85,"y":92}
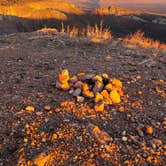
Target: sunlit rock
{"x":115,"y":97}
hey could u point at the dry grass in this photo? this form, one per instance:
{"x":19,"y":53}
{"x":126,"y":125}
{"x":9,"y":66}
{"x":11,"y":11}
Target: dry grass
{"x":96,"y":33}
{"x":48,"y":30}
{"x":139,"y":38}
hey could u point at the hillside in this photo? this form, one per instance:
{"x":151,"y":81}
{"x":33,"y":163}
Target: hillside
{"x":41,"y":124}
{"x":39,"y":9}
{"x":28,"y":16}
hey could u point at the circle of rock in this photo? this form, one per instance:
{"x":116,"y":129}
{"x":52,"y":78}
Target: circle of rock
{"x":100,"y":88}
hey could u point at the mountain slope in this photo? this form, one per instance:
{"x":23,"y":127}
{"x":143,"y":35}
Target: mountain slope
{"x":43,"y":9}
{"x":23,"y":15}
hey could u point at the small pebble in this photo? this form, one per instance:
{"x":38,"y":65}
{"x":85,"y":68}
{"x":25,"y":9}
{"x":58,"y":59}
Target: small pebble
{"x":46,"y":120}
{"x":156,"y":143}
{"x":39,"y":113}
{"x":30,"y":108}
{"x":47,"y":107}
{"x":124,"y":139}
{"x":149,"y":130}
{"x":71,"y":91}
{"x":124,"y":133}
{"x":80,"y":99}
{"x":77,"y":92}
{"x":139,"y":131}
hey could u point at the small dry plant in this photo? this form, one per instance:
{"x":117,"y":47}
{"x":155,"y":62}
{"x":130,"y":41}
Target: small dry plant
{"x":98,"y":32}
{"x":139,"y":38}
{"x":90,"y":31}
{"x":48,"y":30}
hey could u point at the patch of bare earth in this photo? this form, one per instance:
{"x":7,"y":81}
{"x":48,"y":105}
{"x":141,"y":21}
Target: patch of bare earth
{"x":130,"y":133}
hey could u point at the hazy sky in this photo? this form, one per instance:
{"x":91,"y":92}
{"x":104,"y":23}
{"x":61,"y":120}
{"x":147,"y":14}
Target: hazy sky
{"x":150,"y":5}
{"x":140,"y":1}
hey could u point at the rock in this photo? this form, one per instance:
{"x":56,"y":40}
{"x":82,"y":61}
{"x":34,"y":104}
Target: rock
{"x":101,"y":136}
{"x":156,"y":143}
{"x":98,"y":98}
{"x":106,"y":97}
{"x":115,"y":97}
{"x":47,"y":107}
{"x":87,"y":77}
{"x":63,"y":76}
{"x":77,"y":92}
{"x":105,"y":76}
{"x":109,"y":87}
{"x":139,"y":131}
{"x":124,"y":133}
{"x":98,"y":87}
{"x":46,"y":120}
{"x":80,"y":99}
{"x":71,"y":91}
{"x":66,"y":120}
{"x":63,"y":86}
{"x":30,"y":108}
{"x":117,"y":83}
{"x":41,"y":159}
{"x":149,"y":130}
{"x":164,"y":124}
{"x":54,"y":137}
{"x":39,"y":113}
{"x":99,"y":107}
{"x":88,"y":94}
{"x":73,"y":79}
{"x":78,"y":84}
{"x":98,"y":78}
{"x":145,"y":154}
{"x":124,"y":139}
{"x":108,"y":58}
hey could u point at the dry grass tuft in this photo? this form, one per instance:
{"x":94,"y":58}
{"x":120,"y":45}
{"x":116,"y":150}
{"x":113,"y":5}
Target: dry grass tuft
{"x":97,"y":34}
{"x":139,"y":38}
{"x":46,"y":30}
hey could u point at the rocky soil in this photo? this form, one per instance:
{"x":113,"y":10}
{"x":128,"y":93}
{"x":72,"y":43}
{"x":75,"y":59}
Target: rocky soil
{"x":54,"y":133}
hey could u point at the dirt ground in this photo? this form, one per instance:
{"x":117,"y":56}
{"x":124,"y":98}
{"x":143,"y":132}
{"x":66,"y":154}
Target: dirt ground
{"x":29,"y":66}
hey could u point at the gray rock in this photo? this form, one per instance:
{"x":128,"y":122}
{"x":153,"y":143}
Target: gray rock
{"x":80,"y":99}
{"x":71,"y":91}
{"x":156,"y":143}
{"x":87,"y":77}
{"x":98,"y":87}
{"x":39,"y":113}
{"x":139,"y":131}
{"x":77,"y":92}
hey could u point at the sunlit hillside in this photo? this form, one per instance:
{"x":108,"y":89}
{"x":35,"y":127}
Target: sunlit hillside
{"x":39,"y":9}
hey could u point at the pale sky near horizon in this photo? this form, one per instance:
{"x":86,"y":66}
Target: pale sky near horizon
{"x":140,"y":1}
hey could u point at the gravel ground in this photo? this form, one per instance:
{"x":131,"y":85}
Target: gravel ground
{"x":72,"y":135}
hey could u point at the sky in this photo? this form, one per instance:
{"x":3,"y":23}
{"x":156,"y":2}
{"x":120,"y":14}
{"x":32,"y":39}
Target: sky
{"x":148,"y":5}
{"x":140,"y":1}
